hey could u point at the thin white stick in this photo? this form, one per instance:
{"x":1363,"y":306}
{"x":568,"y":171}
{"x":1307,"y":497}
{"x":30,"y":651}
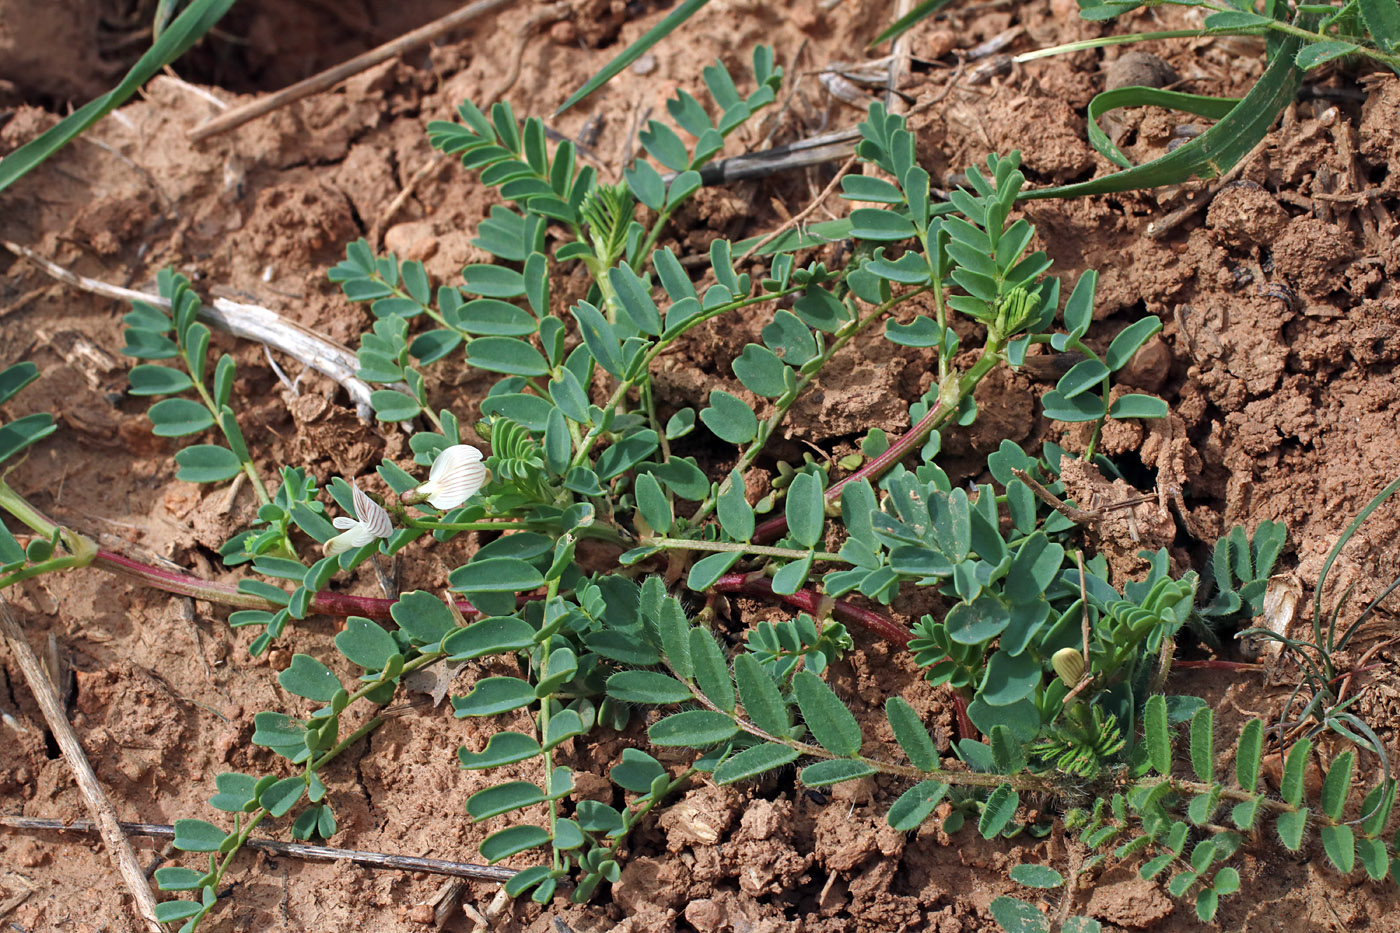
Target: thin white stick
{"x":251,"y":322}
{"x":103,"y":814}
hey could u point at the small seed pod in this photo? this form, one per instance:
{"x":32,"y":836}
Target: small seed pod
{"x":1069,"y":664}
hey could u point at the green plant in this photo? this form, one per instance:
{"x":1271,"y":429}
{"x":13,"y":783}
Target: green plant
{"x":1053,"y":663}
{"x":1300,"y":37}
{"x":1323,"y":707}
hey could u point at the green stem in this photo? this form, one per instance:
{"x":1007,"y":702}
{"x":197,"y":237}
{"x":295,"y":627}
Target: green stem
{"x":550,"y":593}
{"x":784,"y":404}
{"x":624,"y":385}
{"x":411,"y":522}
{"x":687,"y":544}
{"x":249,"y":468}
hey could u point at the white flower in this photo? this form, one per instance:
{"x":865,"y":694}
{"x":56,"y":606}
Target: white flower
{"x":456,"y":476}
{"x":370,"y":522}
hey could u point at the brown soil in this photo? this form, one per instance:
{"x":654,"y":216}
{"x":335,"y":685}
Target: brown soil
{"x":1281,"y":335}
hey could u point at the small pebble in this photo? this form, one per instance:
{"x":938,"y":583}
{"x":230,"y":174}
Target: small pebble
{"x":1139,"y":69}
{"x":644,"y":65}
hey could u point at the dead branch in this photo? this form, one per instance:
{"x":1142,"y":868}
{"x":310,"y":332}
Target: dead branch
{"x":251,"y":322}
{"x":104,"y":814}
{"x":333,"y":76}
{"x":293,"y":849}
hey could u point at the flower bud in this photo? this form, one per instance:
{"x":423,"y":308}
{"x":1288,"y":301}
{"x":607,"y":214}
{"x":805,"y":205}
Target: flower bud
{"x":1069,"y":665}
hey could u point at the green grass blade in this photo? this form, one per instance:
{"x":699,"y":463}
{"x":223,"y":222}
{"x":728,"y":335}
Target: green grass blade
{"x":634,"y":51}
{"x":1214,"y":151}
{"x":1212,"y":108}
{"x":909,"y":20}
{"x":1351,"y":529}
{"x":174,"y":41}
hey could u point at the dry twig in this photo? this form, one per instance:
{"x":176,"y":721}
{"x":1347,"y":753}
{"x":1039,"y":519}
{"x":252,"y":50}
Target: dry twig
{"x":333,"y":76}
{"x":434,"y":866}
{"x":251,"y":322}
{"x":104,"y":815}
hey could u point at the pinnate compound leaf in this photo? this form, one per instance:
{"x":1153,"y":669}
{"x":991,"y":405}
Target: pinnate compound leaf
{"x":1081,"y":925}
{"x":503,"y":749}
{"x":22,"y":432}
{"x":1374,"y":857}
{"x":1129,"y":340}
{"x":1316,"y":53}
{"x":309,"y":678}
{"x":1337,"y":785}
{"x":150,"y":379}
{"x":1016,"y":916}
{"x":1382,"y":19}
{"x":512,"y":841}
{"x":915,"y":805}
{"x":172,"y":878}
{"x":637,"y":771}
{"x":998,"y":811}
{"x":696,"y":728}
{"x":198,"y":836}
{"x":753,"y":761}
{"x":649,"y":687}
{"x":825,"y":773}
{"x":762,"y":700}
{"x":424,"y":617}
{"x":828,"y":719}
{"x":707,"y":570}
{"x":506,"y":355}
{"x":503,"y":798}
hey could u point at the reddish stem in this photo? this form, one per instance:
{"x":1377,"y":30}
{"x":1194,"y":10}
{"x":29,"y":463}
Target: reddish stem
{"x":341,"y":604}
{"x":756,"y":584}
{"x":775,"y":527}
{"x":323,"y":603}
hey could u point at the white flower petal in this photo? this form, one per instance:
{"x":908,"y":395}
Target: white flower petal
{"x":372,"y":516}
{"x":451,"y":458}
{"x":342,"y":522}
{"x":457,"y":475}
{"x":339,"y":544}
